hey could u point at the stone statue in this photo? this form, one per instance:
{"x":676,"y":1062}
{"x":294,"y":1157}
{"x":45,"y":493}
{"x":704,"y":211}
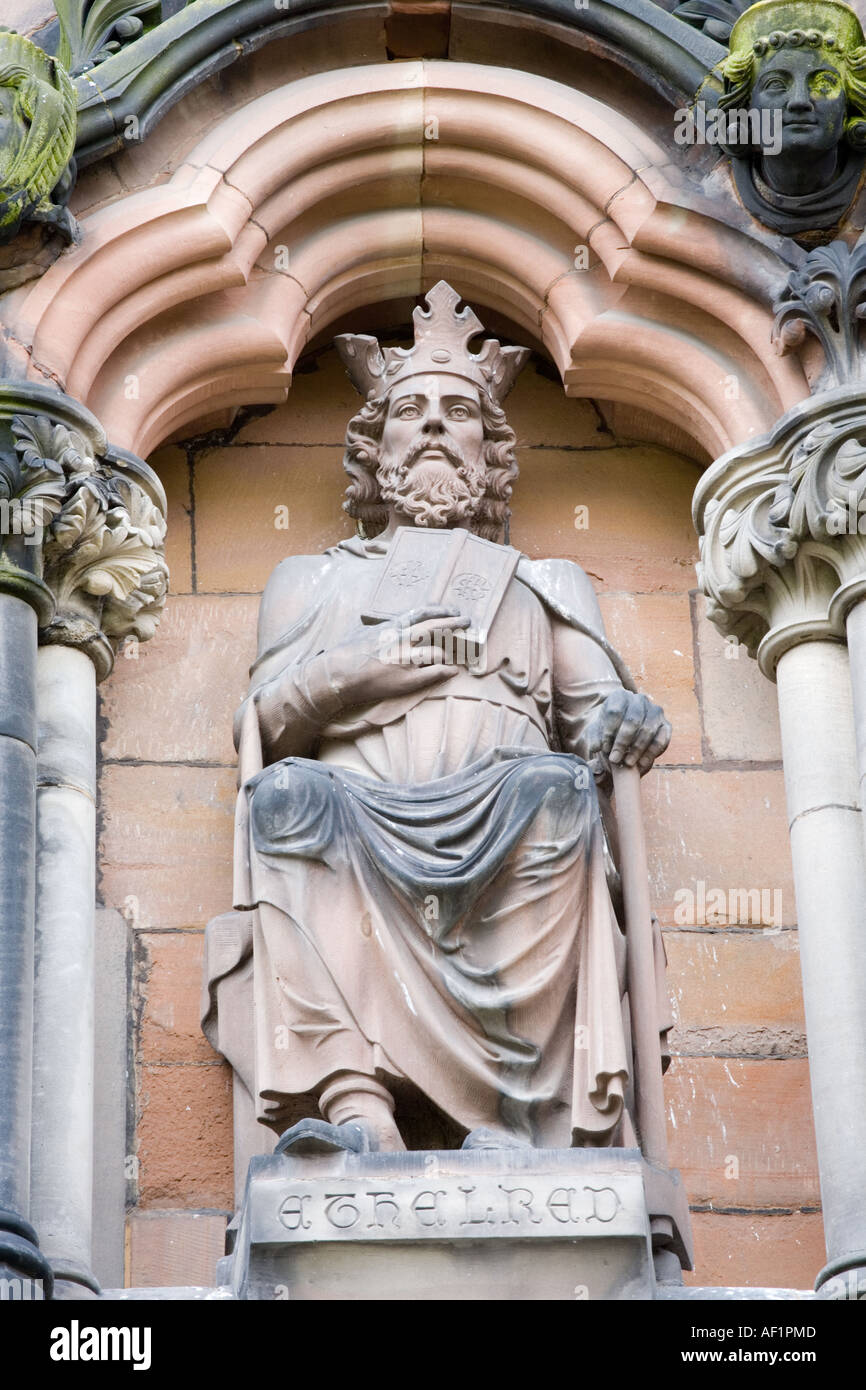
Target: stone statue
{"x":37,"y":138}
{"x":421,"y":852}
{"x":803,"y":62}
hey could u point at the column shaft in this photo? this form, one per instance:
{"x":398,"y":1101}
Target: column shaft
{"x":819,"y":751}
{"x":855,"y":624}
{"x":17,"y":876}
{"x":62,"y":1148}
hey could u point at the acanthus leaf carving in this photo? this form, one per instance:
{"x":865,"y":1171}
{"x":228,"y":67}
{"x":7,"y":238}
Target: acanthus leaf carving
{"x":106,"y":544}
{"x":43,"y":443}
{"x":741,"y":541}
{"x":133,"y":562}
{"x":35,"y":478}
{"x":779,"y":521}
{"x":827,"y":298}
{"x":92,"y":30}
{"x":98,"y":533}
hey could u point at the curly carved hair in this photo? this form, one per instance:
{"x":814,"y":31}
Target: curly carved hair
{"x":361,"y":461}
{"x":741,"y":68}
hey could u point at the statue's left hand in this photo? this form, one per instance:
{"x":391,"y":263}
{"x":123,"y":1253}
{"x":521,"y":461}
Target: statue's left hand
{"x":627,"y":729}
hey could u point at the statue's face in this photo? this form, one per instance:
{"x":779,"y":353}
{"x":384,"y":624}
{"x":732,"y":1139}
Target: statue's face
{"x":431,"y":464}
{"x":808,"y":90}
{"x":434,"y":414}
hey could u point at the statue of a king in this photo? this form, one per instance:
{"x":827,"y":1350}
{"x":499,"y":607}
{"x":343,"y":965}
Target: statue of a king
{"x":423,"y":832}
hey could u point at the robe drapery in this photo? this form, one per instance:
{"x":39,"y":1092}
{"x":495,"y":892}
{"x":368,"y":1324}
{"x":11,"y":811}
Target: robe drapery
{"x":429,"y":872}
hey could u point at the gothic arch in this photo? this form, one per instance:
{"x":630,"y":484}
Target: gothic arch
{"x":370,"y":183}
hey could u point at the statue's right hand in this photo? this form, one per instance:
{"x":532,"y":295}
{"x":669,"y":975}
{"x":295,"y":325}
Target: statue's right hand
{"x":396,"y":657}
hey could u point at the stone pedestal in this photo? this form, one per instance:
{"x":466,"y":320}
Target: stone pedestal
{"x":478,"y":1225}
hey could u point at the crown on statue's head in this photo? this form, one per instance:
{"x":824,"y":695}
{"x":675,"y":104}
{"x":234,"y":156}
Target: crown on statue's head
{"x":442,"y":335}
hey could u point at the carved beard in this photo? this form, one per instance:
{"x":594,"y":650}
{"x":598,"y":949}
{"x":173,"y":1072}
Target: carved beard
{"x":436,"y":494}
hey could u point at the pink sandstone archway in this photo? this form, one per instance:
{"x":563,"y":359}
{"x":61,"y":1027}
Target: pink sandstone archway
{"x":344,"y":189}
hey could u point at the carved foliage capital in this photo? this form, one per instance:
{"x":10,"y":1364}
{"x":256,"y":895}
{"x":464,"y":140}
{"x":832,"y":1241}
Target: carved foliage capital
{"x":782,"y":525}
{"x":89,"y":529}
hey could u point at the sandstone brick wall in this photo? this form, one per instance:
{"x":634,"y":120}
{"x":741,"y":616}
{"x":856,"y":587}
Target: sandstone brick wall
{"x":739,"y":1109}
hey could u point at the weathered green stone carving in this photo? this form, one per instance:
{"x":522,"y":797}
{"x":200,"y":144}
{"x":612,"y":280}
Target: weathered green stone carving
{"x":37,"y":138}
{"x":715,"y":17}
{"x":92,"y":30}
{"x":794,"y":88}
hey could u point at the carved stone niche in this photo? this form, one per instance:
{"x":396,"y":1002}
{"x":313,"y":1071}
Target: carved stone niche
{"x":792,"y":95}
{"x":442,"y":939}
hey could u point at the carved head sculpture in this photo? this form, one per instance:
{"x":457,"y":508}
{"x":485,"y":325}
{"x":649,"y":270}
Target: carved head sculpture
{"x":802,"y":64}
{"x":37,"y":135}
{"x":432,"y":440}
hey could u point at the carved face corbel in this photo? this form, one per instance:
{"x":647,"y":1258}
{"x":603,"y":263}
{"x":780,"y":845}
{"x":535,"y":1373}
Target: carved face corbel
{"x":794,"y":92}
{"x":808,"y":92}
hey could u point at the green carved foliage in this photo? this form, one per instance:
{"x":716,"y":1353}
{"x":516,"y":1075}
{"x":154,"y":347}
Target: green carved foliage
{"x":91,"y":30}
{"x":715,"y":17}
{"x":38,"y":107}
{"x":37,"y":135}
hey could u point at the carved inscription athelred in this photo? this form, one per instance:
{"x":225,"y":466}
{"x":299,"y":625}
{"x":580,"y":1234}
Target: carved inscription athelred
{"x":461,"y":1208}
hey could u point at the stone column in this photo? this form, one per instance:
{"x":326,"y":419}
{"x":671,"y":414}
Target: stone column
{"x":98,"y":545}
{"x":825,"y":817}
{"x":780,"y":566}
{"x":855,"y":628}
{"x":19,"y":1255}
{"x":62,"y":1158}
{"x":24,"y":602}
{"x":103,"y":561}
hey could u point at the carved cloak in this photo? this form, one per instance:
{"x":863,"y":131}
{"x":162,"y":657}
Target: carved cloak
{"x":453,"y":932}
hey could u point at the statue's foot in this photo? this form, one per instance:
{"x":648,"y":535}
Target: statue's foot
{"x":353,"y":1099}
{"x":319,"y":1137}
{"x":488,"y":1138}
